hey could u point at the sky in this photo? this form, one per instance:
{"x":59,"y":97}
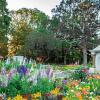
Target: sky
{"x":42,"y":5}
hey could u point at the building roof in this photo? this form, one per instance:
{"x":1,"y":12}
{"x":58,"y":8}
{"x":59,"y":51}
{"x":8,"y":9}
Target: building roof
{"x":97,"y":49}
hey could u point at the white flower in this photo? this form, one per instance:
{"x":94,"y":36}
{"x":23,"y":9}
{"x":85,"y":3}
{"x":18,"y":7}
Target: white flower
{"x":72,"y":90}
{"x":91,"y":93}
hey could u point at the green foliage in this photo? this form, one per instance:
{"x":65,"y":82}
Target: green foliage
{"x":13,"y":87}
{"x":80,"y":74}
{"x":30,"y":20}
{"x":2,"y":89}
{"x":78,"y":23}
{"x":70,"y":67}
{"x":23,"y":86}
{"x":44,"y":85}
{"x":4,"y":26}
{"x":18,"y":86}
{"x":89,"y":65}
{"x":95,"y":86}
{"x":4,"y":18}
{"x":33,"y":35}
{"x":60,"y":39}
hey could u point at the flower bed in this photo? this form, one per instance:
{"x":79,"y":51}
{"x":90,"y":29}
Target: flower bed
{"x":33,"y":83}
{"x":71,"y":90}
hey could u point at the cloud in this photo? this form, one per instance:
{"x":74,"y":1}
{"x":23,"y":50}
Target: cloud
{"x":43,"y":5}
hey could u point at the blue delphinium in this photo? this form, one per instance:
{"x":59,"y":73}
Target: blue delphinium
{"x":22,"y":70}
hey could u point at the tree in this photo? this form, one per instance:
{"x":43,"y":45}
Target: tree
{"x":17,"y":38}
{"x":78,"y":22}
{"x":4,"y":24}
{"x":24,"y":22}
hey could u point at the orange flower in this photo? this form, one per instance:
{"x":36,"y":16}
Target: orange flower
{"x":84,"y":91}
{"x":75,"y":83}
{"x":98,"y":76}
{"x":79,"y":96}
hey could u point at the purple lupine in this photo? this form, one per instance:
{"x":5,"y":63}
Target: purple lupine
{"x":64,"y":81}
{"x":43,"y":73}
{"x":49,"y":73}
{"x":22,"y":70}
{"x":3,"y":71}
{"x":11,"y":73}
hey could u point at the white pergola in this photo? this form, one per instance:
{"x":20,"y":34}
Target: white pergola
{"x":96,"y":57}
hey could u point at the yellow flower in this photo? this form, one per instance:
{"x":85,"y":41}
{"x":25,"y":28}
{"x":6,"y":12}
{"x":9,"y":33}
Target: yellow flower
{"x":55,"y":91}
{"x":9,"y":98}
{"x":64,"y":98}
{"x":93,"y":98}
{"x":37,"y":95}
{"x":68,"y":85}
{"x":18,"y":97}
{"x":87,"y":87}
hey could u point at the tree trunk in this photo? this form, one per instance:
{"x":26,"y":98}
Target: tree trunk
{"x":84,"y":56}
{"x":64,"y":59}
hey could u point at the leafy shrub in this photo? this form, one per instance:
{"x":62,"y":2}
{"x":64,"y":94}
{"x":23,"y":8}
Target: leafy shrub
{"x":44,"y":85}
{"x":95,"y":86}
{"x":80,"y":74}
{"x":18,"y":86}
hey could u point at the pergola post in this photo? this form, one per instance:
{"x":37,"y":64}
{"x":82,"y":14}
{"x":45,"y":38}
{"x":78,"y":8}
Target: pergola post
{"x":94,"y":61}
{"x":93,"y":57}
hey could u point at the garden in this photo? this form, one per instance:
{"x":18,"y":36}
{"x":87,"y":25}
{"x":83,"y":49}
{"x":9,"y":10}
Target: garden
{"x":50,"y":58}
{"x":33,"y":81}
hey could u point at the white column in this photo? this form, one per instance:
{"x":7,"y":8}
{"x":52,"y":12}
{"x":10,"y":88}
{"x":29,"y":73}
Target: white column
{"x":93,"y":56}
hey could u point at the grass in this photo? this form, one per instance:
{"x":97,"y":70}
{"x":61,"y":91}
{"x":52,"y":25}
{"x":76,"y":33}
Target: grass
{"x":66,"y":67}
